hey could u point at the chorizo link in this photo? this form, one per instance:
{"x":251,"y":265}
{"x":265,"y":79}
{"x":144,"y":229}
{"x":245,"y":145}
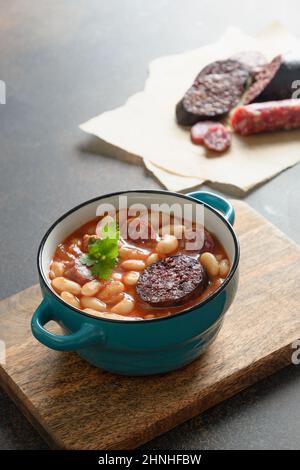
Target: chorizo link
{"x":266,"y":117}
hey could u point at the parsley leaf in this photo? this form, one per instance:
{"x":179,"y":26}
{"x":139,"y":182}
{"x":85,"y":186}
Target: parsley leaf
{"x":103,"y":269}
{"x":85,"y":259}
{"x":103,"y":253}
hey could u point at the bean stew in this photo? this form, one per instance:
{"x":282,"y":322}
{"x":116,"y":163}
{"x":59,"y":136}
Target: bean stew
{"x":142,"y":278}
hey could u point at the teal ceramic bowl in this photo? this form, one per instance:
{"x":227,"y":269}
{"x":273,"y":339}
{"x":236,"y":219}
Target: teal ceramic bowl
{"x":137,"y":347}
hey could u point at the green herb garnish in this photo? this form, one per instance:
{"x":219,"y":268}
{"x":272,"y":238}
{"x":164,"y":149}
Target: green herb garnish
{"x":102,"y":253}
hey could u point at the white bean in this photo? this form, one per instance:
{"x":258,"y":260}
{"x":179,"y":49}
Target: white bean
{"x":133,"y":265}
{"x":111,"y":316}
{"x":91,"y":311}
{"x":111,"y":289}
{"x":210,"y":263}
{"x":152,"y":259}
{"x":56,"y":269}
{"x":115,"y":299}
{"x":62,"y":284}
{"x":91,"y":288}
{"x":125,"y":252}
{"x":131,"y":278}
{"x":167,"y":245}
{"x":224,"y":267}
{"x":116,"y":276}
{"x":93,"y":302}
{"x":70,"y":299}
{"x":124,"y":307}
{"x":129,"y":253}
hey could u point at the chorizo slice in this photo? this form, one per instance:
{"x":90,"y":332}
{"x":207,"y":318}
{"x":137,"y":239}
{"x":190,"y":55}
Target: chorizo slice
{"x":78,"y":272}
{"x":217,"y":138}
{"x":197,"y":240}
{"x":199,"y":130}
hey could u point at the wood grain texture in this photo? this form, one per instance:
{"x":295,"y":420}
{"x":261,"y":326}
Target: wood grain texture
{"x":76,"y":406}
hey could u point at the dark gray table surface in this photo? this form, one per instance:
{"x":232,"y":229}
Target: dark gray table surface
{"x":64,"y":62}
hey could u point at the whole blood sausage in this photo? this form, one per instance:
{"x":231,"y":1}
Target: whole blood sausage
{"x":266,"y":117}
{"x":172,"y":281}
{"x":215,"y":91}
{"x":277,"y":80}
{"x":281,"y":87}
{"x":262,"y":80}
{"x":217,"y":138}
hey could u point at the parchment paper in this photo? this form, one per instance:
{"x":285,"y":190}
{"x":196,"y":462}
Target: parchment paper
{"x":145,"y":126}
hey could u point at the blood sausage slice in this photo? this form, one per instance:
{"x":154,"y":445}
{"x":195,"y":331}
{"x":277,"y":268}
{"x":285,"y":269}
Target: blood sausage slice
{"x":172,"y":281}
{"x":216,"y":90}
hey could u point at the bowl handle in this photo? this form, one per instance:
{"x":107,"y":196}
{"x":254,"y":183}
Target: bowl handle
{"x":85,"y":336}
{"x":217,"y":202}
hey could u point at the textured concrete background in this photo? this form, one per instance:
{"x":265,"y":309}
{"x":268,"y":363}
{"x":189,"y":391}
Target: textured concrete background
{"x":64,"y":62}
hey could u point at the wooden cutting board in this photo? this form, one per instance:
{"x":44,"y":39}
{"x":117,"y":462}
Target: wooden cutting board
{"x":76,"y":406}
